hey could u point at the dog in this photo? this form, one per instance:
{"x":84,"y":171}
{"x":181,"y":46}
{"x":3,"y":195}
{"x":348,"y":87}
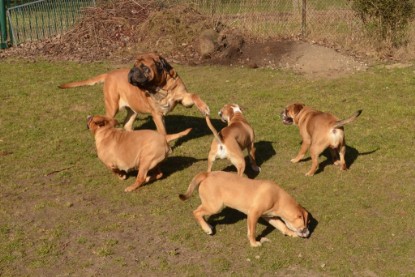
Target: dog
{"x":152,"y":86}
{"x":319,"y":130}
{"x":255,"y":198}
{"x":122,"y":151}
{"x":232,"y":140}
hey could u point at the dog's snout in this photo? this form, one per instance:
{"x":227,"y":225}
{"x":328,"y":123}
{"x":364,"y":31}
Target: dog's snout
{"x":304,"y":232}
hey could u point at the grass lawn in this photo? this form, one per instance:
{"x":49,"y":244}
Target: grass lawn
{"x":63,"y":213}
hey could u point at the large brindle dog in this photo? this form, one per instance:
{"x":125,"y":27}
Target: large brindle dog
{"x":319,"y":130}
{"x":152,"y":86}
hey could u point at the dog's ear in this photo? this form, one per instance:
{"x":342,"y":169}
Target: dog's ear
{"x":100,"y":121}
{"x":162,"y":64}
{"x":298,"y":108}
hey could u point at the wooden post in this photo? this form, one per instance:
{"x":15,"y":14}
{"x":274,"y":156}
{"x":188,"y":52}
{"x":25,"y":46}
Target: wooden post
{"x":3,"y":26}
{"x":304,"y":19}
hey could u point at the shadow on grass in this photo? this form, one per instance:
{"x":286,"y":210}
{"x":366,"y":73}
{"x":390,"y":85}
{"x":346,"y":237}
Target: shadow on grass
{"x":232,"y":216}
{"x":264,"y":152}
{"x":351,"y":156}
{"x":225,"y":217}
{"x":178,"y":123}
{"x":168,"y":167}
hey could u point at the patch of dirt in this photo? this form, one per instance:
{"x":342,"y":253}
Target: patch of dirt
{"x":119,"y":30}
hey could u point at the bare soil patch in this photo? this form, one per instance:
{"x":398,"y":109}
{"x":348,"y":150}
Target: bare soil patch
{"x":119,"y":30}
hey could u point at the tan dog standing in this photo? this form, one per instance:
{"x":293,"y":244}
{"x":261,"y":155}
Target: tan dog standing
{"x":152,"y":86}
{"x":319,"y":130}
{"x":122,"y":151}
{"x":255,"y":198}
{"x":233,"y":139}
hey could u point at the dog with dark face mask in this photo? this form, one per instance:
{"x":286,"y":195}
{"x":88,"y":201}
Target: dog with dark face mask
{"x":152,"y":86}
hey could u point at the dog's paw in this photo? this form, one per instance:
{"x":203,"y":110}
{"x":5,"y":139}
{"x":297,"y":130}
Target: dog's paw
{"x":130,"y":188}
{"x":208,"y":230}
{"x":263,"y":239}
{"x":295,"y":160}
{"x":309,"y":173}
{"x":255,"y":243}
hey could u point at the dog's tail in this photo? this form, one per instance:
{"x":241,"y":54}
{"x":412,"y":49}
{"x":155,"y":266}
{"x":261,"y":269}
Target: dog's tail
{"x":343,"y":122}
{"x":92,"y":81}
{"x":212,"y":128}
{"x":177,"y":135}
{"x":193,"y":185}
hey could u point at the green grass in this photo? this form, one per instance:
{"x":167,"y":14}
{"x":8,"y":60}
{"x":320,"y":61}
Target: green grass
{"x":63,"y":213}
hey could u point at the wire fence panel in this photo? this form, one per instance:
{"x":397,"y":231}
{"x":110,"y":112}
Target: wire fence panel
{"x":329,"y":21}
{"x":45,"y":18}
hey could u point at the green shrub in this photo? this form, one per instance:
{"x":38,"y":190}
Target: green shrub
{"x":386,"y":20}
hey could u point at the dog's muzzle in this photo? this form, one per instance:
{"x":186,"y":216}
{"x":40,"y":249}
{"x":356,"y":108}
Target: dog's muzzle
{"x":304,"y":233}
{"x":287,"y":120}
{"x":138,"y":77}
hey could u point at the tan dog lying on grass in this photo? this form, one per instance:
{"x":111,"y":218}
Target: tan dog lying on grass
{"x":232,"y":140}
{"x":319,"y":130}
{"x":123,"y":151}
{"x":255,"y":198}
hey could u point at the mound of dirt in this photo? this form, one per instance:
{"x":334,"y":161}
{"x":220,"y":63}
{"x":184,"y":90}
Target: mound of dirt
{"x":119,"y":30}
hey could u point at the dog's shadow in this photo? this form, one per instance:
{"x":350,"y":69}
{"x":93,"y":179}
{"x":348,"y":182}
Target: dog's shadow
{"x":230,"y":216}
{"x":351,"y":156}
{"x":264,"y":152}
{"x":177,"y":123}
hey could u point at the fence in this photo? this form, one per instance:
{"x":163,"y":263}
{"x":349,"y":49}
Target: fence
{"x":40,"y":19}
{"x":329,"y":20}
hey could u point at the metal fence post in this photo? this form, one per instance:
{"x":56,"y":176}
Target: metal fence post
{"x":304,"y":19}
{"x":3,"y":26}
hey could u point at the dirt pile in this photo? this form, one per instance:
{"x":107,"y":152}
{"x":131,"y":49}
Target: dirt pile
{"x":117,"y":31}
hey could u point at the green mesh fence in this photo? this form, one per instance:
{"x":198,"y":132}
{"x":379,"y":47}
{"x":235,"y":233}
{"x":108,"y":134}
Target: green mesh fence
{"x":44,"y":18}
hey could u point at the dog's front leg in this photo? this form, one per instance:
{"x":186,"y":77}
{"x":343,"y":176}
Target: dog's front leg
{"x":252,"y":221}
{"x":279,"y":225}
{"x":190,"y":98}
{"x":304,"y":146}
{"x":159,"y":121}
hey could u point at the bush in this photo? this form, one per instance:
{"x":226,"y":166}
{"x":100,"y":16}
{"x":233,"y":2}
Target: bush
{"x":386,"y":20}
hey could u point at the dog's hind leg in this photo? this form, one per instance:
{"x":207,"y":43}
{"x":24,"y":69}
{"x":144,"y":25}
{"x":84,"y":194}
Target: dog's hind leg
{"x":199,"y":213}
{"x":251,"y":152}
{"x":141,"y":178}
{"x":342,"y":153}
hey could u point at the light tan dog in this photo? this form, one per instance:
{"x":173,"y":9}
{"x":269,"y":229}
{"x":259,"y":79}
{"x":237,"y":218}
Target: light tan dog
{"x":255,"y":198}
{"x":318,"y":130}
{"x":123,"y":151}
{"x":152,"y":86}
{"x":233,"y":139}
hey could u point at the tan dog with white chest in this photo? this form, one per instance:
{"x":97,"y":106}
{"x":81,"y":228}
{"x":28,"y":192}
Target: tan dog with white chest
{"x":319,"y":130}
{"x":123,"y":151}
{"x":233,"y":139}
{"x":255,"y":198}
